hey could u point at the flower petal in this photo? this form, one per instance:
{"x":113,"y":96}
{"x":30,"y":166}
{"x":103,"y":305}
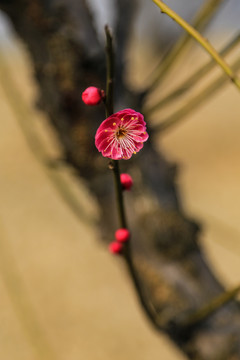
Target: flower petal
{"x":139,"y":146}
{"x":116,"y":153}
{"x":105,"y":146}
{"x":111,"y":123}
{"x":140,"y":138}
{"x":102,"y":134}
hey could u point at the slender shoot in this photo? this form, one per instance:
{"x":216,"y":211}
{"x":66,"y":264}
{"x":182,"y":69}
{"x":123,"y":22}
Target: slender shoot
{"x":201,"y":40}
{"x":202,"y":19}
{"x":209,"y":309}
{"x":204,"y":95}
{"x":193,"y":79}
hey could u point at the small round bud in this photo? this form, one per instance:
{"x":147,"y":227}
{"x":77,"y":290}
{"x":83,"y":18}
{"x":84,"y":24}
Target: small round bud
{"x":92,"y":96}
{"x":122,"y":235}
{"x":115,"y":247}
{"x":126,"y":181}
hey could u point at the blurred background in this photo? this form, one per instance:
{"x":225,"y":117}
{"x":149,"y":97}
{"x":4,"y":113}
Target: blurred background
{"x":62,"y":295}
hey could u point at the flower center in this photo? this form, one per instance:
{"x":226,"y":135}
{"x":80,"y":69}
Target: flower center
{"x":120,"y":133}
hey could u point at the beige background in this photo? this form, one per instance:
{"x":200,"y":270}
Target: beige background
{"x":62,"y":295}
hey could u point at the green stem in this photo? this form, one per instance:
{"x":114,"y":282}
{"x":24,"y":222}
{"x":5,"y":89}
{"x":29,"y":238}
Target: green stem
{"x":193,"y":103}
{"x":201,"y":40}
{"x":192,"y":80}
{"x":202,"y":18}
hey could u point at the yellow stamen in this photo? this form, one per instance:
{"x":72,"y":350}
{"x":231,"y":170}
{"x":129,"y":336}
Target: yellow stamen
{"x":106,"y":130}
{"x":114,"y":124}
{"x":134,"y":152}
{"x":120,"y":133}
{"x":122,"y":119}
{"x":132,"y":118}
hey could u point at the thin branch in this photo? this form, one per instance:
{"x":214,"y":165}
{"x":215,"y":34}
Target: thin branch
{"x":109,"y":111}
{"x":192,"y":80}
{"x":204,"y":95}
{"x":209,"y":309}
{"x":110,"y":73}
{"x":119,"y":195}
{"x":114,"y":165}
{"x":201,"y":40}
{"x":203,"y":17}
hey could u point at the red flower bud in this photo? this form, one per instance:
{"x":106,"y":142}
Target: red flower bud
{"x":122,"y":235}
{"x":126,"y":181}
{"x":115,"y":247}
{"x":92,"y":96}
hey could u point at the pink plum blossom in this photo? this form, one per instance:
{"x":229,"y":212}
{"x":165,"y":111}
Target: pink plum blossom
{"x":121,"y":135}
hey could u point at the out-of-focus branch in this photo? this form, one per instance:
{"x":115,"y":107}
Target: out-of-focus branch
{"x":192,"y":80}
{"x":209,"y":309}
{"x":202,"y":19}
{"x":24,"y":118}
{"x":201,"y":40}
{"x":193,"y":103}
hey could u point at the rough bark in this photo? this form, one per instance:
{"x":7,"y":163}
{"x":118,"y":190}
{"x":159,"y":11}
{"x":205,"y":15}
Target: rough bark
{"x":171,"y":267}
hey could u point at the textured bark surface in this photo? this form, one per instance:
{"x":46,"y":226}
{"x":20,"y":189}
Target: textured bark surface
{"x":171,"y":268}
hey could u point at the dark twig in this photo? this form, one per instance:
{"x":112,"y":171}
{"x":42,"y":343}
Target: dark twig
{"x":110,"y":73}
{"x":109,"y":111}
{"x":143,"y":299}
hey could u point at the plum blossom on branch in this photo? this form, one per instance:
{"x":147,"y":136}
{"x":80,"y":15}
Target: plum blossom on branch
{"x":121,"y":135}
